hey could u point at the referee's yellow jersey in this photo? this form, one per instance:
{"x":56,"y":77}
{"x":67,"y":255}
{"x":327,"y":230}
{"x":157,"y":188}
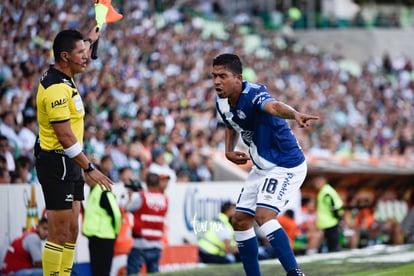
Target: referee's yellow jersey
{"x":58,"y":100}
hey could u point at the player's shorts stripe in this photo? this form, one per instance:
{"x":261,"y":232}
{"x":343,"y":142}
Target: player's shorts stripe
{"x":246,"y":211}
{"x":268,"y":207}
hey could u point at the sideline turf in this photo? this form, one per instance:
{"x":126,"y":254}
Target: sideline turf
{"x":402,"y":270}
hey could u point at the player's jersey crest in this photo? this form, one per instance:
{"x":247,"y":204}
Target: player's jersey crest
{"x":241,"y":114}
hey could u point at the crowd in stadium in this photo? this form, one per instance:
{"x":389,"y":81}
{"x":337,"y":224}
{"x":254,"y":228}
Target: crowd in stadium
{"x":150,"y":90}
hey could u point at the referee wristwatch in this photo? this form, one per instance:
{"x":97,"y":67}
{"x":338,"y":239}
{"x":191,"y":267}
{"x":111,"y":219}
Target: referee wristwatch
{"x":90,"y":168}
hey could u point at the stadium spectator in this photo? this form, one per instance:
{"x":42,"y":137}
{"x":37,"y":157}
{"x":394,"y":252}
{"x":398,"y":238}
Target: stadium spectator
{"x":191,"y":165}
{"x":118,"y":155}
{"x":407,"y":224}
{"x":107,"y":168}
{"x":24,"y":255}
{"x":8,"y":128}
{"x":3,"y":162}
{"x":159,"y":164}
{"x":217,"y":245}
{"x":5,"y":177}
{"x":27,"y":136}
{"x":307,"y":225}
{"x":24,"y":171}
{"x":147,"y":140}
{"x":133,"y":154}
{"x":363,"y":224}
{"x":5,"y":151}
{"x":389,"y":213}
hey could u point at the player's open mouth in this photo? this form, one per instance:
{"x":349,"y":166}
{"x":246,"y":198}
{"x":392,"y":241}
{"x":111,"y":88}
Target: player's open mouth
{"x":219,"y":90}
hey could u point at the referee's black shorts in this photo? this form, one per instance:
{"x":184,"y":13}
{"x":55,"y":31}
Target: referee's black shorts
{"x":61,"y":180}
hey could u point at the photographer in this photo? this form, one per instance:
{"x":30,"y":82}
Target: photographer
{"x":149,"y":209}
{"x":127,"y":177}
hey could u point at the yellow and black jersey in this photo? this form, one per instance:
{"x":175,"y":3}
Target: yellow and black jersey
{"x":58,"y":100}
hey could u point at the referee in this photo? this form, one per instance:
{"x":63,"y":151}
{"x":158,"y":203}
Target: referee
{"x":59,"y":157}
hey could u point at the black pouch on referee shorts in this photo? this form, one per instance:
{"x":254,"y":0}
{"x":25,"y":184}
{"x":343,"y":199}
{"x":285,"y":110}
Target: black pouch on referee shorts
{"x":37,"y":148}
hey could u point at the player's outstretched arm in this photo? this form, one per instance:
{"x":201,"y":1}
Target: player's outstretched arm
{"x":282,"y":110}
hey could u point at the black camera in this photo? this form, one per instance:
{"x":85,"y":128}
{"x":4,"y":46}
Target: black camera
{"x":134,"y":185}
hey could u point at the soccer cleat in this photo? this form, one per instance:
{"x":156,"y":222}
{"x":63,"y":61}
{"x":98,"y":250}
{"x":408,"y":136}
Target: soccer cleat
{"x":295,"y":272}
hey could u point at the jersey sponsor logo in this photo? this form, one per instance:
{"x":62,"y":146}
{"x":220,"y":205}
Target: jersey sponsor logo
{"x":59,"y":102}
{"x":74,"y":93}
{"x":286,"y":183}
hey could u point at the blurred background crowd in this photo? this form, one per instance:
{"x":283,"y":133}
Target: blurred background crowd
{"x":149,"y":96}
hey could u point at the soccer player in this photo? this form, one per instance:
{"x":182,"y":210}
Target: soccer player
{"x":279,"y":170}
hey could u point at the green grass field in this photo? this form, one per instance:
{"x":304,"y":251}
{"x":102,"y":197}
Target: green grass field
{"x":385,"y":262}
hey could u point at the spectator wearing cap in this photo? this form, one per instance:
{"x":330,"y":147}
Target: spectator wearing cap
{"x":160,"y":166}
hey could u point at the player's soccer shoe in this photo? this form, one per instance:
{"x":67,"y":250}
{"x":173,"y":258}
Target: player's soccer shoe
{"x":295,"y":272}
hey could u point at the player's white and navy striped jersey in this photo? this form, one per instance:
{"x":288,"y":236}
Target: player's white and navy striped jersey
{"x":270,"y":139}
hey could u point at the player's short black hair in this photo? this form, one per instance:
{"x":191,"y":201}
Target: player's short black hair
{"x":65,"y":41}
{"x":230,"y":61}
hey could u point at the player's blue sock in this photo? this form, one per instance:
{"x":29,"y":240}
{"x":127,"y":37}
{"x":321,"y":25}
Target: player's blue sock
{"x":280,"y":244}
{"x":249,"y":252}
